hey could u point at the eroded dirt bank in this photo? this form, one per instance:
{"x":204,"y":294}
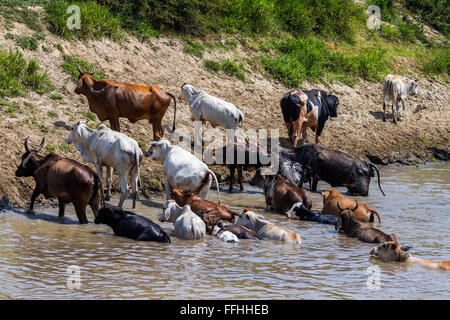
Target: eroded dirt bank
{"x":423,"y":134}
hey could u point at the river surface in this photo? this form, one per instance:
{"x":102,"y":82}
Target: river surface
{"x":37,"y":250}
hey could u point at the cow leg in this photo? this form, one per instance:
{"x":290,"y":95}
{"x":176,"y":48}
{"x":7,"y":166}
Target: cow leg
{"x":95,"y":203}
{"x":314,"y":183}
{"x":62,"y":206}
{"x":384,"y":111}
{"x":108,"y":183}
{"x":123,"y":188}
{"x":115,"y":124}
{"x":157,"y":129}
{"x":232,"y":169}
{"x":134,"y":176}
{"x":393,"y":110}
{"x":166,"y":187}
{"x":317,"y":139}
{"x":80,"y":210}
{"x":35,"y":194}
{"x":241,"y":185}
{"x":403,"y":108}
{"x":304,"y":135}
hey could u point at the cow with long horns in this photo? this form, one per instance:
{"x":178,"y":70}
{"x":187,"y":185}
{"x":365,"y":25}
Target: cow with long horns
{"x":62,"y":178}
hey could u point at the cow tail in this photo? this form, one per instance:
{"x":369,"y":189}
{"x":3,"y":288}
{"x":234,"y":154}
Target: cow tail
{"x":174,"y":110}
{"x":217,"y":184}
{"x":97,"y":185}
{"x":241,"y":120}
{"x":373,"y":212}
{"x":378,"y":174}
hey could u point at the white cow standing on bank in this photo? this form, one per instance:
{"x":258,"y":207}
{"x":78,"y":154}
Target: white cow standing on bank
{"x":106,"y":147}
{"x":205,"y":107}
{"x":398,"y":88}
{"x":182,"y":169}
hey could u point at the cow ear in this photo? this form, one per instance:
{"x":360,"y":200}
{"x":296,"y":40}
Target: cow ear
{"x":405,"y":248}
{"x":167,"y":214}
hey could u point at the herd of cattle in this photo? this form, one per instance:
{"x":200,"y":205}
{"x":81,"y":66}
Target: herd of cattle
{"x":187,"y":180}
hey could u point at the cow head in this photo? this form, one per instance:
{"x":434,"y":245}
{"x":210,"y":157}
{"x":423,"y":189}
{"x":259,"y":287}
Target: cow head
{"x":108,"y":214}
{"x":76,"y":132}
{"x":85,"y":80}
{"x":391,"y":251}
{"x":248,"y":219}
{"x":333,"y":103}
{"x":158,"y":150}
{"x":292,"y":171}
{"x":345,"y":215}
{"x":412,"y":89}
{"x":30,"y":159}
{"x":187,"y":92}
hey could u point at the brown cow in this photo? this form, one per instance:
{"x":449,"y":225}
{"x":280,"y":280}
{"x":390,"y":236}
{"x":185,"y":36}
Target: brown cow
{"x":331,"y":197}
{"x":357,"y":229}
{"x":280,"y":194}
{"x":63,"y":178}
{"x":110,"y":99}
{"x":391,"y":251}
{"x":197,"y":204}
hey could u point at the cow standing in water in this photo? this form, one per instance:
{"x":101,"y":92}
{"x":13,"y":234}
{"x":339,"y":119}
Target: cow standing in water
{"x":307,"y":109}
{"x":110,"y":100}
{"x":63,"y":178}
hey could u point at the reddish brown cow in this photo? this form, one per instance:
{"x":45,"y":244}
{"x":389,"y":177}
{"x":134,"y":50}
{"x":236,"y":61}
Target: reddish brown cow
{"x":110,"y":100}
{"x":65,"y":179}
{"x":197,"y":204}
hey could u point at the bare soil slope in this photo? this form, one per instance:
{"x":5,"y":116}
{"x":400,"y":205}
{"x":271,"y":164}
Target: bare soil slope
{"x":423,"y":134}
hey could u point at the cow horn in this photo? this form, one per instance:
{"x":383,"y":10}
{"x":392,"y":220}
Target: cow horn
{"x":93,"y":71}
{"x":356,"y":207}
{"x":26,"y":144}
{"x":339,"y":205}
{"x":41,"y":145}
{"x":79,"y":70}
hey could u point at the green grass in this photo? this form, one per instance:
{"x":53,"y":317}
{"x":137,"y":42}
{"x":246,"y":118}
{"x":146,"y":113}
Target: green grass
{"x":56,"y":96}
{"x":89,"y":115}
{"x":16,"y":11}
{"x":96,"y":21}
{"x":295,"y":60}
{"x":50,"y":148}
{"x":227,"y":66}
{"x":52,"y":113}
{"x":71,"y":63}
{"x":194,"y":48}
{"x":19,"y":75}
{"x":436,"y":61}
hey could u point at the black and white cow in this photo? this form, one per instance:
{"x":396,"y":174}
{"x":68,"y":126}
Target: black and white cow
{"x":304,"y":109}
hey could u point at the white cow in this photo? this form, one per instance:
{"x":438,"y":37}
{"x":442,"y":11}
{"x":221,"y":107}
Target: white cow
{"x":265,"y":229}
{"x":224,"y":235}
{"x":182,"y":169}
{"x":187,"y":225}
{"x":205,"y":107}
{"x":106,"y":147}
{"x":398,"y":88}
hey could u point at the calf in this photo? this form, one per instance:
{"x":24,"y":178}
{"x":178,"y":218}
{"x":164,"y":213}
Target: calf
{"x":130,"y":225}
{"x":63,"y":178}
{"x":331,"y":197}
{"x":280,"y":194}
{"x":357,"y":229}
{"x":299,"y":212}
{"x":265,"y":229}
{"x":304,"y":109}
{"x":398,"y":88}
{"x":197,"y":204}
{"x":391,"y":251}
{"x":106,"y":147}
{"x":182,"y":169}
{"x":224,"y":235}
{"x":187,"y":225}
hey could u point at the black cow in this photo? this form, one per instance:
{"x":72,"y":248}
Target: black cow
{"x":304,"y":109}
{"x":336,"y":167}
{"x":300,"y":212}
{"x":128,"y":224}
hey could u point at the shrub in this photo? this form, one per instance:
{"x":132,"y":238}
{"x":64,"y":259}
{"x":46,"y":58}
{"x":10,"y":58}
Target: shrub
{"x":96,"y":20}
{"x":228,"y":67}
{"x":194,"y":48}
{"x":17,"y":75}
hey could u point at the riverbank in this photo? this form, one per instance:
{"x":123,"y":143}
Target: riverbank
{"x":422,"y":135}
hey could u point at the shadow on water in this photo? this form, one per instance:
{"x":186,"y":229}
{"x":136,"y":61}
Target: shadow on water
{"x":43,"y":216}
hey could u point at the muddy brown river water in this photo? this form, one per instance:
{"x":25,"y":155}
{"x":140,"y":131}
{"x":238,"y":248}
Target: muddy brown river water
{"x":36,"y":251}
